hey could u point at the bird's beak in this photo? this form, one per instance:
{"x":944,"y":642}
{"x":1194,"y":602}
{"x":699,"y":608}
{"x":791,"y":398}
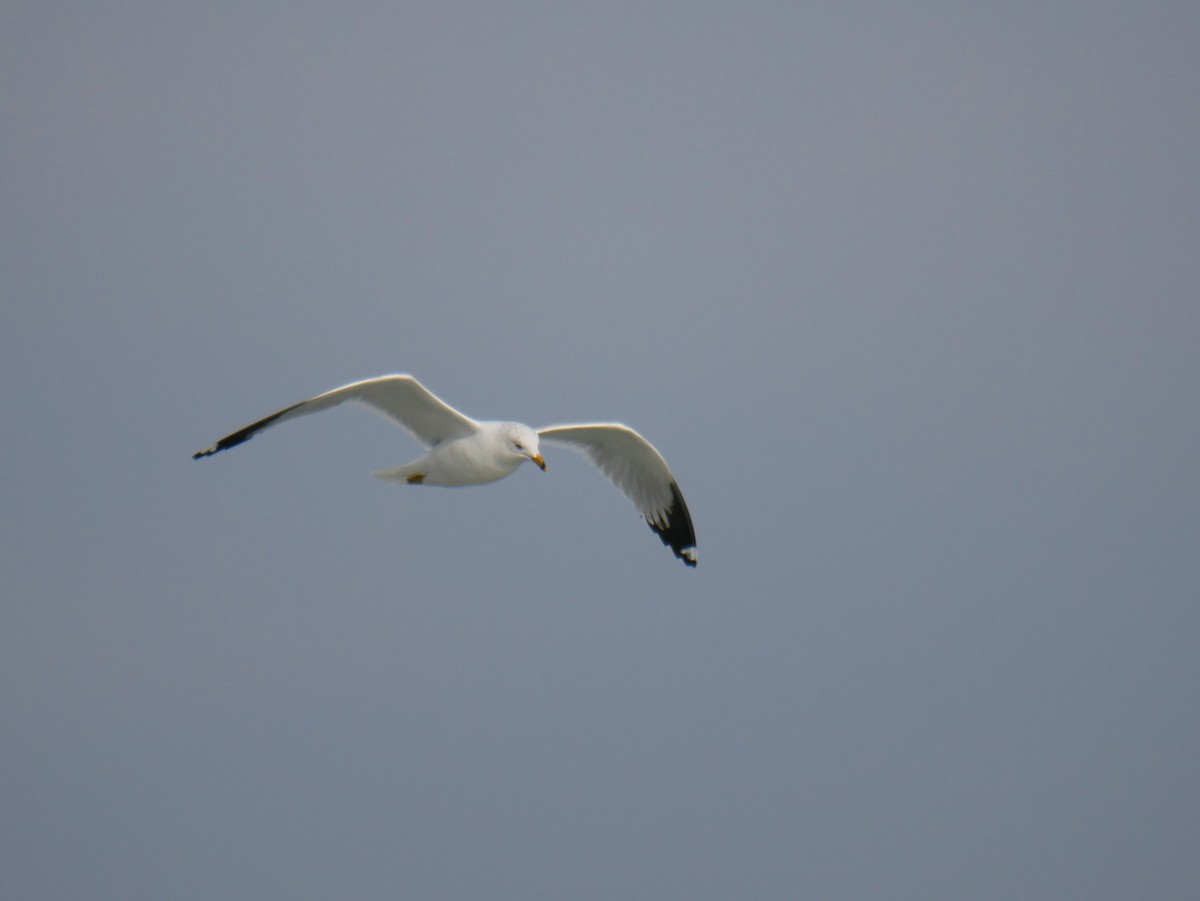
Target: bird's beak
{"x":537,"y":458}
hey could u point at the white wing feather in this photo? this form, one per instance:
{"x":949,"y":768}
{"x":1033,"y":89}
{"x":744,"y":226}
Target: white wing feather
{"x":628,"y":459}
{"x":399,"y":397}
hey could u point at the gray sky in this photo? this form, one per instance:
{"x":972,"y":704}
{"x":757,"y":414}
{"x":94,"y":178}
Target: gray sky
{"x":905,"y":293}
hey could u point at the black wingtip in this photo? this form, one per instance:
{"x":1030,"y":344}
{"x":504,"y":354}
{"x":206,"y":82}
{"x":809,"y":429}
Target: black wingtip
{"x":676,"y":532}
{"x":225,"y":443}
{"x":242,"y":435}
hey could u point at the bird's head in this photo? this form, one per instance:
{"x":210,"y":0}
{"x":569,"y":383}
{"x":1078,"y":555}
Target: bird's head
{"x":523,"y":441}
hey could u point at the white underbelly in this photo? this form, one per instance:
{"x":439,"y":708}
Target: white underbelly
{"x":465,"y":463}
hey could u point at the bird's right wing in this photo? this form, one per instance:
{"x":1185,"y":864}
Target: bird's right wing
{"x":401,"y":398}
{"x":640,"y":472}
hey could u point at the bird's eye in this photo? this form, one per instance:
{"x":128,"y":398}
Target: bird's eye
{"x":519,"y":445}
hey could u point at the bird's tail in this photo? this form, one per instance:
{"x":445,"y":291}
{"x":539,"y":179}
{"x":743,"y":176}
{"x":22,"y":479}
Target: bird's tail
{"x":408,"y":474}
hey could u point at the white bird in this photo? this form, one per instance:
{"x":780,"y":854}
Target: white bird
{"x":465,"y":452}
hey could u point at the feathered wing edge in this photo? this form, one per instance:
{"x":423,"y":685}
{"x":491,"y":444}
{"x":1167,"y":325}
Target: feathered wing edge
{"x":677,"y":532}
{"x":639,"y":471}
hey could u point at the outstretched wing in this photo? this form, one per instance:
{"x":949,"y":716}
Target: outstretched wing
{"x":634,"y":466}
{"x":399,"y":397}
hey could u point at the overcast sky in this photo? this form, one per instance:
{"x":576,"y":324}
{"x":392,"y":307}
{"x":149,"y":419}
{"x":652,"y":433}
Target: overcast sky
{"x":907,"y":296}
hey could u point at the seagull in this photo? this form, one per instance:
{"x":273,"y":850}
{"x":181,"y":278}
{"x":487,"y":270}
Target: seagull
{"x":462,"y":451}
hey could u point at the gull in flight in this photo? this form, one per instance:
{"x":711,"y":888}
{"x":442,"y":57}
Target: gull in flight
{"x":462,"y":451}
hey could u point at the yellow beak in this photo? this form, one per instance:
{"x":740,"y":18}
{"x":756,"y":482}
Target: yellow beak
{"x":537,"y":458}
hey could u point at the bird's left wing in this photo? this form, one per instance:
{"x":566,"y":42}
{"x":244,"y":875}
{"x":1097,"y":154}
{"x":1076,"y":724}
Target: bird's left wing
{"x":399,"y":397}
{"x":634,"y":466}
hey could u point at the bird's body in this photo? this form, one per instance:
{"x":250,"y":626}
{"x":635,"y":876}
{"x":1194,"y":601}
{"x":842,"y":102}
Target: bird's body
{"x":481,"y":457}
{"x":462,"y":451}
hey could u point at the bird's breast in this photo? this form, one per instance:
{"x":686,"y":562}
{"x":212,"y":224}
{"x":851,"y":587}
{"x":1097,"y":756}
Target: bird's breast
{"x":469,"y":461}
